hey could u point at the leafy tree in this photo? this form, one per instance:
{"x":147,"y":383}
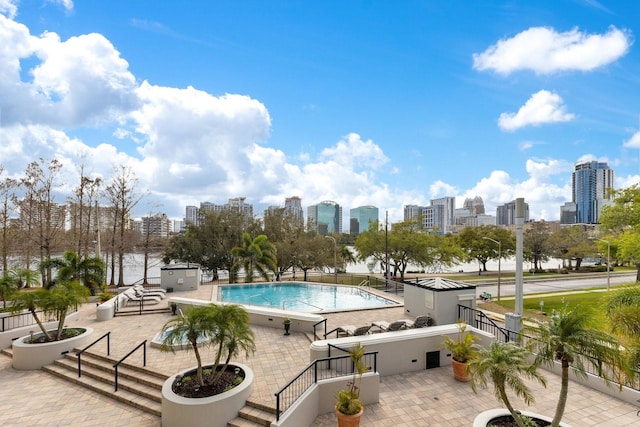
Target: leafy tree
{"x":255,"y":254}
{"x":506,"y":365}
{"x":25,"y":277}
{"x":568,"y":337}
{"x":536,"y":248}
{"x":623,"y":312}
{"x":310,"y":254}
{"x":572,"y":244}
{"x":284,"y":231}
{"x":33,"y":302}
{"x":621,"y":221}
{"x":70,"y":267}
{"x":476,"y":247}
{"x":8,"y":287}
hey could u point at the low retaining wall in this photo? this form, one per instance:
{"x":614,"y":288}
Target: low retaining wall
{"x":401,"y":351}
{"x":263,"y":316}
{"x":7,"y":338}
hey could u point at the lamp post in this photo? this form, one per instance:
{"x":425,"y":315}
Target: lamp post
{"x":499,"y":260}
{"x":335,"y":258}
{"x":608,"y":260}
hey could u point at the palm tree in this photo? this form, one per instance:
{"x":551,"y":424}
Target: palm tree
{"x":195,"y":326}
{"x":26,"y":277}
{"x":506,"y":364}
{"x":8,"y":286}
{"x":233,"y":334}
{"x":88,"y":270}
{"x":31,"y":301}
{"x":623,"y":312}
{"x":255,"y":254}
{"x":65,"y":295}
{"x":569,"y":338}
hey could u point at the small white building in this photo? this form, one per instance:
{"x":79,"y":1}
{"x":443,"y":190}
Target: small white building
{"x":438,"y":298}
{"x":180,"y":277}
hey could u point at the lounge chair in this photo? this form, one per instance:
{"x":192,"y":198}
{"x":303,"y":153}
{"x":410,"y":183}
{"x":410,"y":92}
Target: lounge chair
{"x":390,"y":327}
{"x":349,"y":331}
{"x":132,"y":298}
{"x":420,"y":322}
{"x":151,"y":291}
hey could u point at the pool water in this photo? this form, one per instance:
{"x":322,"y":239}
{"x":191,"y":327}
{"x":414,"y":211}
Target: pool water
{"x":303,"y":297}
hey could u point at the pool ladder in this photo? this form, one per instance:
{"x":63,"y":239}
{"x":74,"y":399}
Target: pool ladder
{"x":365,"y":283}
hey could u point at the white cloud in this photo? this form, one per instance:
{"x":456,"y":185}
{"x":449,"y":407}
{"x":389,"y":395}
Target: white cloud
{"x":633,"y":142}
{"x":543,"y":107}
{"x":67,"y":4}
{"x":546,"y":51}
{"x":8,"y":8}
{"x":354,"y":152}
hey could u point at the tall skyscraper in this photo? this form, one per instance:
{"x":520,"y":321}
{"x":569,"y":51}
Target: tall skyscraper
{"x":506,"y":214}
{"x":326,"y":217}
{"x":293,"y":208}
{"x":360,"y":218}
{"x":592,"y":182}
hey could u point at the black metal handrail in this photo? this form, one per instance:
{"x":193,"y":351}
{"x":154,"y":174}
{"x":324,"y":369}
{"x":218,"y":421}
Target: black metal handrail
{"x":322,"y":322}
{"x":108,"y":335}
{"x":20,"y":320}
{"x":290,"y":392}
{"x":143,"y":344}
{"x":479,"y":320}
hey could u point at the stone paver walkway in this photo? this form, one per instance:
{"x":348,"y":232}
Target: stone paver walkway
{"x":422,"y":398}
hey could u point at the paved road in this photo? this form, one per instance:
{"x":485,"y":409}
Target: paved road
{"x":558,"y":284}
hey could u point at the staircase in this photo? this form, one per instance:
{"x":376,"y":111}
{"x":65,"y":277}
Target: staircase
{"x":138,"y":387}
{"x":253,"y":415}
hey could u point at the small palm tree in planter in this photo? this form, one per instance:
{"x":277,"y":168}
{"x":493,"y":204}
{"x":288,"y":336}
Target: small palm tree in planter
{"x":462,"y":350}
{"x":348,"y":407}
{"x":506,"y":365}
{"x":225,"y":327}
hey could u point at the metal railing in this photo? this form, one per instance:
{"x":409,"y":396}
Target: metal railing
{"x":20,"y":320}
{"x":479,"y":320}
{"x":143,"y":344}
{"x":323,"y":322}
{"x":108,"y":335}
{"x":290,"y":392}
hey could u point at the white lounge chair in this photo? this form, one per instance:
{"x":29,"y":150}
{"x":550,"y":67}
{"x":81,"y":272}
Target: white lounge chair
{"x":390,"y":327}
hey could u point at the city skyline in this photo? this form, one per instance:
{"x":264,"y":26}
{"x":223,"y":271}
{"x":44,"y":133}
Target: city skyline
{"x":362,"y":104}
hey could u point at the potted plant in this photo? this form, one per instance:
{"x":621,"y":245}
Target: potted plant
{"x":462,"y":350}
{"x":507,"y":366}
{"x":287,"y":324}
{"x":348,"y":407}
{"x":211,"y":394}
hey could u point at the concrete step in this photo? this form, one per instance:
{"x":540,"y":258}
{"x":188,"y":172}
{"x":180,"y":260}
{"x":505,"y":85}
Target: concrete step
{"x":133,"y":399}
{"x":7,"y":352}
{"x":253,"y":415}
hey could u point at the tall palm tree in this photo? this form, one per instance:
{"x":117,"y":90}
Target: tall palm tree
{"x":623,"y":312}
{"x":506,"y":365}
{"x":257,"y":254}
{"x":88,"y":270}
{"x":196,"y":326}
{"x":569,"y":338}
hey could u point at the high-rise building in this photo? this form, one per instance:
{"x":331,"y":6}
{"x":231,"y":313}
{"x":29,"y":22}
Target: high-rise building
{"x":325,"y":217}
{"x":592,"y":182}
{"x":293,"y":208}
{"x":361,"y":218}
{"x":235,"y":204}
{"x":191,"y":215}
{"x":443,"y":214}
{"x":475,"y":205}
{"x":506,"y":214}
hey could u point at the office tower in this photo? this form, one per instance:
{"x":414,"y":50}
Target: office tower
{"x":592,"y":182}
{"x":506,"y":214}
{"x":361,"y":218}
{"x":325,"y":217}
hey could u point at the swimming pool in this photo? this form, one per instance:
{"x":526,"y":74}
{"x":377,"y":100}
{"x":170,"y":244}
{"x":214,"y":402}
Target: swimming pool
{"x":303,"y":297}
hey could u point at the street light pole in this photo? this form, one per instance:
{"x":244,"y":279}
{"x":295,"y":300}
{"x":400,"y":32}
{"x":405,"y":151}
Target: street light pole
{"x":335,"y":258}
{"x":608,"y":261}
{"x":499,"y":260}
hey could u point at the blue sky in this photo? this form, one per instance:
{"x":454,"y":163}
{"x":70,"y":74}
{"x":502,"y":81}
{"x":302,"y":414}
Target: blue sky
{"x":360,"y":102}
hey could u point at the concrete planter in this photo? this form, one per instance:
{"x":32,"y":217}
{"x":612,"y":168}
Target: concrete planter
{"x":483,"y":419}
{"x":28,"y":356}
{"x":214,"y":411}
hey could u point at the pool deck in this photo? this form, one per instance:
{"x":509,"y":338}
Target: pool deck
{"x":422,"y":398}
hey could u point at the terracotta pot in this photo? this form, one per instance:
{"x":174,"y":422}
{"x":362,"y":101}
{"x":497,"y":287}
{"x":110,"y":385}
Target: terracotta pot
{"x":459,"y":371}
{"x":345,"y":420}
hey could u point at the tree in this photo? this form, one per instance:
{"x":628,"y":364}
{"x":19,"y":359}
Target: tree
{"x":81,"y":218}
{"x":571,"y":243}
{"x":8,"y":188}
{"x":536,"y":249}
{"x":123,"y":197}
{"x":196,"y":327}
{"x":569,"y":338}
{"x":8,"y":287}
{"x":621,"y":221}
{"x":284,"y":231}
{"x":623,"y":312}
{"x":255,"y":254}
{"x":70,"y":267}
{"x":45,"y":218}
{"x":310,"y":255}
{"x":506,"y":365}
{"x":475,"y":247}
{"x":25,"y":277}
